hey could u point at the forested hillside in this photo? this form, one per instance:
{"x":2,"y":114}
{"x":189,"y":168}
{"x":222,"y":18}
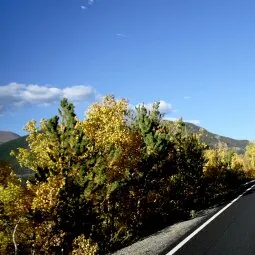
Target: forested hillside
{"x":207,"y":137}
{"x":5,"y":150}
{"x":213,"y":139}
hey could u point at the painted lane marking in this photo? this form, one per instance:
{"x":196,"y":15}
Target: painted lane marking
{"x":184,"y":241}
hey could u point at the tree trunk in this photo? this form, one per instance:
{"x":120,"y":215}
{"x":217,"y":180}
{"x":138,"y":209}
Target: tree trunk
{"x":13,"y":239}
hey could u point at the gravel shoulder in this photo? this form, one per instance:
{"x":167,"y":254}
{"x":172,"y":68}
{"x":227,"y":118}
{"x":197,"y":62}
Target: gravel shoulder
{"x":164,"y":240}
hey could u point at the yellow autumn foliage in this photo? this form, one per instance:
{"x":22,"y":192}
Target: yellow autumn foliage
{"x":250,"y":155}
{"x":106,"y":122}
{"x":47,"y":237}
{"x":15,"y":203}
{"x":45,"y":149}
{"x":40,"y":145}
{"x":106,"y":125}
{"x":82,"y":246}
{"x":237,"y":162}
{"x":216,"y":159}
{"x":46,"y":193}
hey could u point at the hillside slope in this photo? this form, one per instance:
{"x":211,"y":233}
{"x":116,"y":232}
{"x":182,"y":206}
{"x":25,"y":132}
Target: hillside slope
{"x":6,"y":136}
{"x":209,"y":138}
{"x":213,"y":139}
{"x":7,"y":147}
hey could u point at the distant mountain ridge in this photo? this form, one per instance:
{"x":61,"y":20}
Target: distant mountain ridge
{"x":7,"y":147}
{"x":6,"y":136}
{"x":209,"y":138}
{"x":213,"y":139}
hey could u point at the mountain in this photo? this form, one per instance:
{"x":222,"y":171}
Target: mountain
{"x":209,"y":138}
{"x":213,"y":139}
{"x":6,"y":136}
{"x":7,"y":147}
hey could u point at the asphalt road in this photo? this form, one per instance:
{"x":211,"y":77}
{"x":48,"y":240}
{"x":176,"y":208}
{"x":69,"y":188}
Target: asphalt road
{"x":231,"y":233}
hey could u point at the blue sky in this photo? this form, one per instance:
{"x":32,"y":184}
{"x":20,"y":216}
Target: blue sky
{"x":196,"y":56}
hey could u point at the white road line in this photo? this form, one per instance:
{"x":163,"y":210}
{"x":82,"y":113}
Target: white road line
{"x":178,"y":246}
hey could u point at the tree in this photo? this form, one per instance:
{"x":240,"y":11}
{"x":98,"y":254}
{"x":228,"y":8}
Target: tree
{"x":57,"y":154}
{"x":102,"y":182}
{"x":116,"y":150}
{"x":217,"y":159}
{"x":187,"y":182}
{"x":15,"y":228}
{"x":249,"y":160}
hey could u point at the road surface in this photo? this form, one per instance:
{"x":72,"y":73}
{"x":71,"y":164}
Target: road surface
{"x":231,"y":233}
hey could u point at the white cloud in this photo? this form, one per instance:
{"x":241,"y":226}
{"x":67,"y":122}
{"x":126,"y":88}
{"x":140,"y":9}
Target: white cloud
{"x":79,"y":93}
{"x":16,"y":95}
{"x":40,"y":94}
{"x":187,"y":97}
{"x":10,"y":93}
{"x":11,"y":90}
{"x":164,"y":107}
{"x":91,"y":2}
{"x":83,"y":7}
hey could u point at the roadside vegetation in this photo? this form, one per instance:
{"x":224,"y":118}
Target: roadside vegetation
{"x":104,"y":182}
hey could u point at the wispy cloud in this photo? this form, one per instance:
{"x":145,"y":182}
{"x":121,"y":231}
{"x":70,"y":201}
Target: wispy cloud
{"x":120,"y":35}
{"x":83,"y":7}
{"x":164,"y":107}
{"x":16,"y":95}
{"x":91,"y":2}
{"x":196,"y":122}
{"x":187,"y":97}
{"x":88,"y":4}
{"x":171,"y":118}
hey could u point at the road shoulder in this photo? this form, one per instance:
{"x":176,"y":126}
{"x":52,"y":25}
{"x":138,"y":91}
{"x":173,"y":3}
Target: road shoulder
{"x":165,"y":239}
